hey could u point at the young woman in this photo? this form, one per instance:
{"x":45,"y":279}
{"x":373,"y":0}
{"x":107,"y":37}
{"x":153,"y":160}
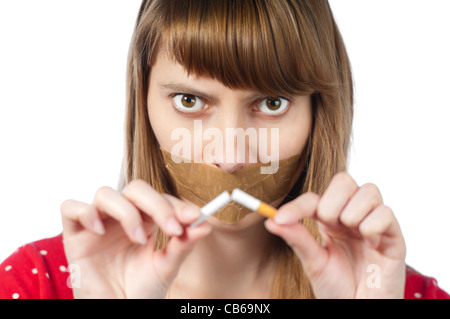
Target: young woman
{"x":231,"y":65}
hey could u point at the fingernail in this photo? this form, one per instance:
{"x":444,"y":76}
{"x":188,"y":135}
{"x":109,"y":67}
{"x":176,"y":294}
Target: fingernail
{"x":140,"y":236}
{"x":98,"y":227}
{"x":191,"y":212}
{"x":282,"y":217}
{"x":173,"y":227}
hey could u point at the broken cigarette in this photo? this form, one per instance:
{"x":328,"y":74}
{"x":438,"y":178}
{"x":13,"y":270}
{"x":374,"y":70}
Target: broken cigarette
{"x":212,"y":207}
{"x":238,"y":196}
{"x":253,"y":203}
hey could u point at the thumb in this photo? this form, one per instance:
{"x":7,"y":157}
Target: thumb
{"x":168,"y":260}
{"x":313,"y":257}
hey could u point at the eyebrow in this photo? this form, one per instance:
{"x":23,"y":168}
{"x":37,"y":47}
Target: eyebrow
{"x":181,"y":88}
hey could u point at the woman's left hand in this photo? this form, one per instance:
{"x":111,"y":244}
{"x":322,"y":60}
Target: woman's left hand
{"x":363,"y":251}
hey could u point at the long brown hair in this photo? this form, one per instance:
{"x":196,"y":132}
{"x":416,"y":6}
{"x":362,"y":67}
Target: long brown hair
{"x":290,"y":47}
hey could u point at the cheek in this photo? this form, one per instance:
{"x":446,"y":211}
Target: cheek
{"x":294,"y":136}
{"x":161,"y":131}
{"x":162,"y":121}
{"x":290,"y":146}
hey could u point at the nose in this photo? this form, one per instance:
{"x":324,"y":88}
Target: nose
{"x":235,"y":150}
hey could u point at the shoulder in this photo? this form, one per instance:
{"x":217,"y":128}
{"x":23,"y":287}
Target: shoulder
{"x":36,"y":270}
{"x":419,"y":286}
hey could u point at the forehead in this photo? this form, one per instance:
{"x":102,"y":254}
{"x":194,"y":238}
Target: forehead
{"x":167,"y":70}
{"x":251,"y":62}
{"x":169,"y":75}
{"x":265,"y":46}
{"x":164,"y":64}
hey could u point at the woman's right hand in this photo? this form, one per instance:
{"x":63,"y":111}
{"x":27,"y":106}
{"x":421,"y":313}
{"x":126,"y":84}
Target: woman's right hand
{"x":112,"y":241}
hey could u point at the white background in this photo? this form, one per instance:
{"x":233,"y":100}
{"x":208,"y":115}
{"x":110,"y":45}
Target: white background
{"x":62,"y":99}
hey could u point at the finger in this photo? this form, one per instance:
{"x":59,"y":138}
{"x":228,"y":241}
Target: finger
{"x":185,"y":211}
{"x":304,"y":206}
{"x":342,"y":187}
{"x":312,"y":256}
{"x":111,"y":203}
{"x":77,"y":215}
{"x":155,"y":205}
{"x":366,"y":199}
{"x":168,"y":260}
{"x":382,"y":230}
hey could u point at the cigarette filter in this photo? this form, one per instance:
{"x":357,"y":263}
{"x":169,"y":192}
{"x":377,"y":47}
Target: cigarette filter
{"x":253,"y":203}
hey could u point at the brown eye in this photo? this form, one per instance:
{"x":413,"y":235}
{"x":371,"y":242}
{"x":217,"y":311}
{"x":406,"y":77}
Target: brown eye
{"x":188,"y":103}
{"x":188,"y":100}
{"x":273,"y":104}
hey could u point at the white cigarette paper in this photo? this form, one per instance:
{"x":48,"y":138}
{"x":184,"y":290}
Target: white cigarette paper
{"x":253,"y":203}
{"x":213,"y":207}
{"x":245,"y":199}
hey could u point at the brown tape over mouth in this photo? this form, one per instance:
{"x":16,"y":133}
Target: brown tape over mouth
{"x":200,"y":183}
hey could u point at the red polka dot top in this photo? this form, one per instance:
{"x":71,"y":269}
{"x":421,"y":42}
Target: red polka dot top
{"x":39,"y":270}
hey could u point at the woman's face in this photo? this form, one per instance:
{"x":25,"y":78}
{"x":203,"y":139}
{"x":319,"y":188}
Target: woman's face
{"x":177,"y":102}
{"x":195,"y":117}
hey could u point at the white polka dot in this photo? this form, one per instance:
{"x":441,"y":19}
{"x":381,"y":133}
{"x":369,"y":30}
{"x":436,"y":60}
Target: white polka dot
{"x":34,"y":271}
{"x":15,"y":295}
{"x":418,"y":295}
{"x":46,"y":274}
{"x":63,"y":268}
{"x":43,"y":252}
{"x":8,"y":268}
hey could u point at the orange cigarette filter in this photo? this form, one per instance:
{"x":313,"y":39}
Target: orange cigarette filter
{"x":253,"y":203}
{"x":266,"y":210}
